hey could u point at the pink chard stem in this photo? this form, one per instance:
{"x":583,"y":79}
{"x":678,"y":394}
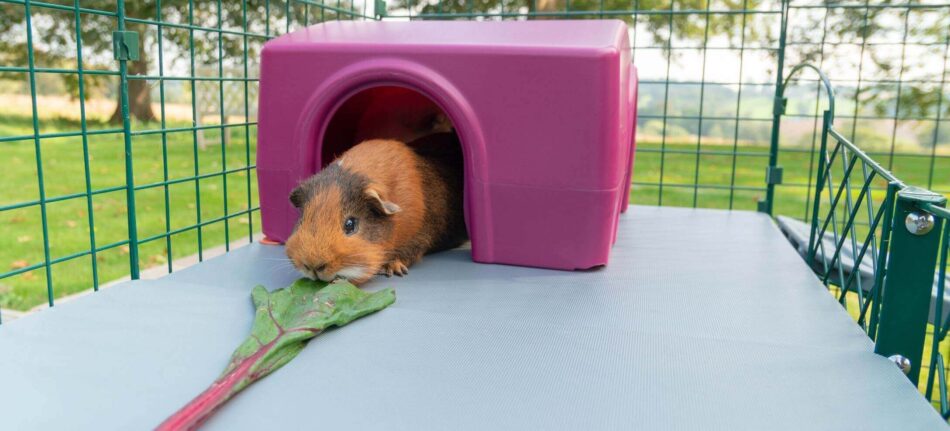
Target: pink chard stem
{"x":193,"y":414}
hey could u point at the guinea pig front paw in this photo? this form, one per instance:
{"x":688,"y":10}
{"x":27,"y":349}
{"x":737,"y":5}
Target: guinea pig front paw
{"x":394,"y":267}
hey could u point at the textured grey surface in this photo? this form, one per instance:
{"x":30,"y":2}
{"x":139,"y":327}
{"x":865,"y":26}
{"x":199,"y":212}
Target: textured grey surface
{"x":704,"y":319}
{"x":798,"y":234}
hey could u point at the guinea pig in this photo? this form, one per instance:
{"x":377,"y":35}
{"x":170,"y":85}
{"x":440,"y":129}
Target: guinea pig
{"x":378,"y":208}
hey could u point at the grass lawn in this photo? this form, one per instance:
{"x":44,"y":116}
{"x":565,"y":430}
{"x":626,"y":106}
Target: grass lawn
{"x":686,"y":183}
{"x":68,"y":220}
{"x":707,"y":184}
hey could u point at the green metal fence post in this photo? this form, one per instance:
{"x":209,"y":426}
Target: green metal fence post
{"x":37,"y":148}
{"x":883,"y":250}
{"x":938,"y":322}
{"x":778,"y":110}
{"x":84,"y":129}
{"x":819,"y":184}
{"x":909,"y":278}
{"x":124,"y":53}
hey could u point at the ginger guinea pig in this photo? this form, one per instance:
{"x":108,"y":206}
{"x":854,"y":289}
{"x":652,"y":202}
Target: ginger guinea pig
{"x":378,"y":208}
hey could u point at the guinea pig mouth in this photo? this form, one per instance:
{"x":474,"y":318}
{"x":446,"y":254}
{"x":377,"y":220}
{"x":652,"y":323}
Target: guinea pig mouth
{"x":310,"y":274}
{"x":352,"y":273}
{"x":328,"y":278}
{"x":307,"y":273}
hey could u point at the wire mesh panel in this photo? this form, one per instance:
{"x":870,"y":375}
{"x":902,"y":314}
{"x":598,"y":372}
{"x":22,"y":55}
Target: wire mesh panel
{"x":130,"y":134}
{"x":707,"y":78}
{"x":873,"y":240}
{"x":888,"y":63}
{"x":708,"y":74}
{"x":851,"y":212}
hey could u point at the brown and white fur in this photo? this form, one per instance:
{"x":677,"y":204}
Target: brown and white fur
{"x":405,"y":201}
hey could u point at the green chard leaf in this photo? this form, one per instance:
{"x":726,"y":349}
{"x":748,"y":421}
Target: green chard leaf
{"x":284,"y":321}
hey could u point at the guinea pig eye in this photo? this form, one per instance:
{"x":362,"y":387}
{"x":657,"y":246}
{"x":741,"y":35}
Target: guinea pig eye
{"x":349,"y":226}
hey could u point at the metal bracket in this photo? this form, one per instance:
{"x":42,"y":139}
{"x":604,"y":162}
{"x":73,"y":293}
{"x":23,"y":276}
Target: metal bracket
{"x":778,"y":107}
{"x":125,"y":45}
{"x":912,"y":258}
{"x":762,"y":206}
{"x":773,"y":174}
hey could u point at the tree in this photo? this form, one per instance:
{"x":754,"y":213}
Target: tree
{"x":55,"y":41}
{"x":813,"y":35}
{"x":847,"y":33}
{"x":690,"y":26}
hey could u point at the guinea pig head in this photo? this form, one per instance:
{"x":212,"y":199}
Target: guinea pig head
{"x":345,"y":224}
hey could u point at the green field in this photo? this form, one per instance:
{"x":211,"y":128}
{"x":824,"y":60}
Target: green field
{"x":720,"y":180}
{"x":68,"y":220}
{"x":685,"y":183}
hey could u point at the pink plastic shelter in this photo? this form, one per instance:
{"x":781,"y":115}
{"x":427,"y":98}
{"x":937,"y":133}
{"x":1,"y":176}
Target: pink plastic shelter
{"x":545,"y":111}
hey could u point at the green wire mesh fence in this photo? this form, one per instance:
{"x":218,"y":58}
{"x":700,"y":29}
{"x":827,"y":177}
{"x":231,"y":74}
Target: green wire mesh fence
{"x":707,"y":78}
{"x":871,"y":240}
{"x":890,"y":77}
{"x":166,"y":170}
{"x":708,"y":75}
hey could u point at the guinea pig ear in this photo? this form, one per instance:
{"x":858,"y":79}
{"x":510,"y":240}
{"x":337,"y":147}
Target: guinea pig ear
{"x":300,"y":196}
{"x":379,"y":203}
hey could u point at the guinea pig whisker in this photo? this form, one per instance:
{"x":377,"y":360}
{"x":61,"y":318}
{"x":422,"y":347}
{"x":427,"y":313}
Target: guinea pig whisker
{"x":281,"y":269}
{"x":282,"y":264}
{"x":275,"y":270}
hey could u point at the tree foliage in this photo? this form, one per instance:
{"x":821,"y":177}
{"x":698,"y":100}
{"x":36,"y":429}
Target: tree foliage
{"x":824,"y":36}
{"x":55,"y":40}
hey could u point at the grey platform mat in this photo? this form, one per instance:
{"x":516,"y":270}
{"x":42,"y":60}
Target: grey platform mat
{"x":798,"y":234}
{"x":704,"y":319}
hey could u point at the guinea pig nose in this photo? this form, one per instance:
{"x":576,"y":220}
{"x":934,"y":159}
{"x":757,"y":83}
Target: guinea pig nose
{"x":318,"y":268}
